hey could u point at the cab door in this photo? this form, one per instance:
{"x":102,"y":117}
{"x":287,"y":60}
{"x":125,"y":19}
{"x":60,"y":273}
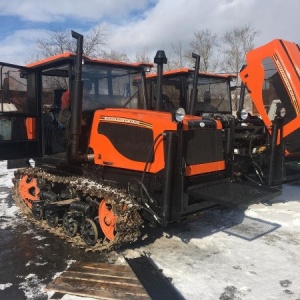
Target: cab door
{"x":20,"y":113}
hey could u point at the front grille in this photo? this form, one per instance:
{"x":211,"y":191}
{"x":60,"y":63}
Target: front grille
{"x":202,"y":146}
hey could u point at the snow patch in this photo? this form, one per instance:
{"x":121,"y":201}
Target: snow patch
{"x":7,"y":215}
{"x":39,"y":237}
{"x":69,"y":262}
{"x":5,"y":286}
{"x":8,"y":211}
{"x":32,"y":287}
{"x":3,"y":195}
{"x":35,"y":263}
{"x":130,"y":254}
{"x":6,"y":175}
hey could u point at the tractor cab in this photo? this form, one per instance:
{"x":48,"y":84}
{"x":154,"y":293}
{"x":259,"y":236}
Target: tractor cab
{"x":213,"y":91}
{"x":20,"y":118}
{"x":37,"y":102}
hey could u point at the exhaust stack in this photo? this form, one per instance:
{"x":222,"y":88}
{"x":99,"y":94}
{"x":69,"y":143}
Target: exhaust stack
{"x":160,"y":59}
{"x":76,"y":101}
{"x":193,"y":102}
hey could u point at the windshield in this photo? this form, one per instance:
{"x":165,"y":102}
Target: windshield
{"x":213,"y":95}
{"x":16,"y":94}
{"x":109,"y":87}
{"x":103,"y":86}
{"x":213,"y":92}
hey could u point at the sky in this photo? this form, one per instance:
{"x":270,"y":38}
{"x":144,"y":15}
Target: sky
{"x":136,"y":25}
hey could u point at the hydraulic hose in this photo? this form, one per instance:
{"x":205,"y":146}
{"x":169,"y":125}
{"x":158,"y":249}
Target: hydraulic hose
{"x":144,"y":203}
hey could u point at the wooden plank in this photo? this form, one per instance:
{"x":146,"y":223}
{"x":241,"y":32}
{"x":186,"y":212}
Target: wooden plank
{"x":110,"y":271}
{"x":101,"y":278}
{"x":90,"y":289}
{"x":101,"y":285}
{"x":104,"y":266}
{"x":98,"y":294}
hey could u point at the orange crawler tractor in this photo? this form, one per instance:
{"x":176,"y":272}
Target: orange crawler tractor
{"x":111,"y":160}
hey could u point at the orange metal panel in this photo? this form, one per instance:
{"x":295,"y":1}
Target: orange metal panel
{"x":31,"y":128}
{"x":286,"y":57}
{"x":205,"y":168}
{"x":67,"y":55}
{"x":104,"y":151}
{"x":106,"y":154}
{"x":185,"y":71}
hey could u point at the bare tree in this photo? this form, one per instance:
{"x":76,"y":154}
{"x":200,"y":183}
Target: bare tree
{"x":58,"y":41}
{"x":115,"y":55}
{"x":235,"y":44}
{"x":205,"y":44}
{"x":95,"y":41}
{"x":143,"y":56}
{"x":177,"y":58}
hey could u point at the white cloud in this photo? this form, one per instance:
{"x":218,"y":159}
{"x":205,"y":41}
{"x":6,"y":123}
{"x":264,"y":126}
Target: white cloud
{"x":54,"y":10}
{"x":157,"y":25}
{"x":171,"y":21}
{"x":15,"y":48}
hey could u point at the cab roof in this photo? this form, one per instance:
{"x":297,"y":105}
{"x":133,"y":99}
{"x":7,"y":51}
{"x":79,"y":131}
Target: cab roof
{"x":68,"y":56}
{"x":186,"y":71}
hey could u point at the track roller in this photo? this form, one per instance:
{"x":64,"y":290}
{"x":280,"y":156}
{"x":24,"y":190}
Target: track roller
{"x":89,"y":232}
{"x":37,"y":210}
{"x":51,"y":217}
{"x":70,"y":224}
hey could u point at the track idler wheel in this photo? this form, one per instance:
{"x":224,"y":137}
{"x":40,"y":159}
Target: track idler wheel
{"x":70,"y":224}
{"x":51,"y":217}
{"x":89,"y":232}
{"x":29,"y":190}
{"x":107,"y":220}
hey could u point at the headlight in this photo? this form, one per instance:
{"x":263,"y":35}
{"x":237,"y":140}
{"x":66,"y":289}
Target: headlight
{"x":244,"y":114}
{"x":179,"y":114}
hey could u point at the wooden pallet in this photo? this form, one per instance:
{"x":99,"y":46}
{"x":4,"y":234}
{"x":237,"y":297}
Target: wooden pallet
{"x":99,"y":280}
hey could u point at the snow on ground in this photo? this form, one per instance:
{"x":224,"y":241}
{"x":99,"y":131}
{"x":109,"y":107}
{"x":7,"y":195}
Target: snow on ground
{"x":226,"y":254}
{"x":232,"y":254}
{"x":4,"y":286}
{"x":8,"y":213}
